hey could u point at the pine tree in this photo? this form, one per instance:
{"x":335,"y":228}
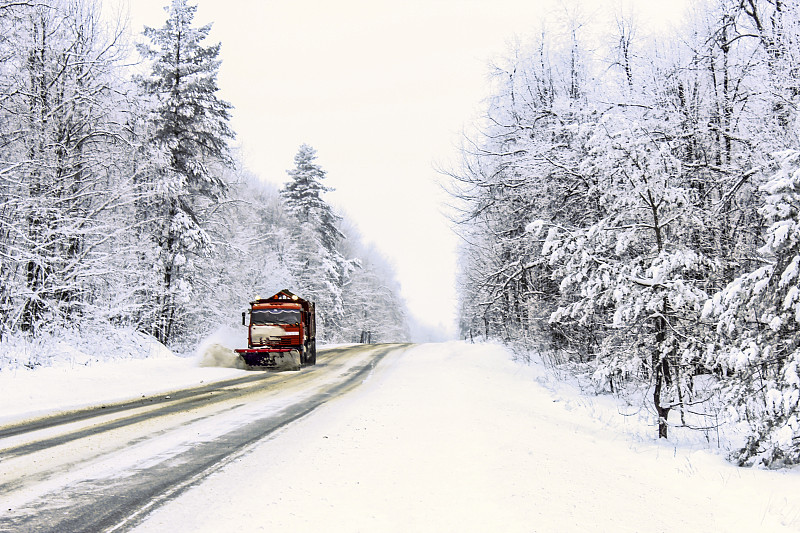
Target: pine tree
{"x":759,"y":328}
{"x":324,"y":269}
{"x":189,"y":131}
{"x":303,"y":196}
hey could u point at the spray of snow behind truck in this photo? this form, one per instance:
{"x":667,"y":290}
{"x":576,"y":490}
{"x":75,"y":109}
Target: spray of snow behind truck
{"x":281,"y":332}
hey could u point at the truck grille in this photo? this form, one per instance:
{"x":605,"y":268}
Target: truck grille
{"x":279,"y":341}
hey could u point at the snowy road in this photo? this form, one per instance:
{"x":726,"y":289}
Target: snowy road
{"x":103,"y":468}
{"x":435,"y":438}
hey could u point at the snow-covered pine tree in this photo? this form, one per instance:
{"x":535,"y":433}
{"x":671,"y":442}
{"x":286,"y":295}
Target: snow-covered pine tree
{"x":759,"y":325}
{"x":303,"y":196}
{"x":189,"y":135}
{"x":323,"y":270}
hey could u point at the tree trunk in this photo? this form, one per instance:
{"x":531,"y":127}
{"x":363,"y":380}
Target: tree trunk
{"x":663,"y":412}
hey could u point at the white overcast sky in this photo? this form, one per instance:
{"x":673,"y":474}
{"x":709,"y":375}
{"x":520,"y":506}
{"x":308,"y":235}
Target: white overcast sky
{"x":383,"y":91}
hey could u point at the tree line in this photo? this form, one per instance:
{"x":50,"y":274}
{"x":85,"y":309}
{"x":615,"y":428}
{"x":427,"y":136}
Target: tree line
{"x":630,"y":206}
{"x":124,"y":207}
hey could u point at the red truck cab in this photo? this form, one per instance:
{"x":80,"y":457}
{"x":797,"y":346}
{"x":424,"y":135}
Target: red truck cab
{"x":281,"y":332}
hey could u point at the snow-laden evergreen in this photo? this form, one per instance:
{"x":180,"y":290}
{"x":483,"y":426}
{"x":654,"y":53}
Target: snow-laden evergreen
{"x":323,"y":269}
{"x":758,"y":320}
{"x":188,"y":130}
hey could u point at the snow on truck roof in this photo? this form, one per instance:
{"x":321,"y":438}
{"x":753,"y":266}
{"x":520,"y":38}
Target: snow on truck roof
{"x":284,"y":298}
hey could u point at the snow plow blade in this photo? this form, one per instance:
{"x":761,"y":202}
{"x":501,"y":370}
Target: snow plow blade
{"x":273,"y":358}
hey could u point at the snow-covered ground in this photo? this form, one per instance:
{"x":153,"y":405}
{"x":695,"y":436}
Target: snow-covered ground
{"x":457,"y":437}
{"x":72,"y":384}
{"x":441,"y":437}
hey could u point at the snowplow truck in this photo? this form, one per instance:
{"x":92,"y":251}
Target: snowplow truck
{"x":281,"y":332}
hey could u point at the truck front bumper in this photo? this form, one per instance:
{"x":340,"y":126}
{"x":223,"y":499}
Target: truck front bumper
{"x":270,"y":357}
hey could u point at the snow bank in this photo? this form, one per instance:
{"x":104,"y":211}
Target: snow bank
{"x":141,"y":367}
{"x":85,"y":345}
{"x":25,"y":393}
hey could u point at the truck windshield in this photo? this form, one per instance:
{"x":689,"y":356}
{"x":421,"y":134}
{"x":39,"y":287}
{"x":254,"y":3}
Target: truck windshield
{"x":275,"y":316}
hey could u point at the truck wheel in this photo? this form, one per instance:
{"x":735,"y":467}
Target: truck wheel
{"x":313,"y":352}
{"x":303,"y":356}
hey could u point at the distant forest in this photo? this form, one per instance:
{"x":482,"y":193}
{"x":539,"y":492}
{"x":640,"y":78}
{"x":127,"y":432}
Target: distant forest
{"x":125,"y":212}
{"x":629,"y":206}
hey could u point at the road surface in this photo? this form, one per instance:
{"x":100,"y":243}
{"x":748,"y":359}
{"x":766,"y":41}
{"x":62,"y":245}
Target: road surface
{"x":104,"y":468}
